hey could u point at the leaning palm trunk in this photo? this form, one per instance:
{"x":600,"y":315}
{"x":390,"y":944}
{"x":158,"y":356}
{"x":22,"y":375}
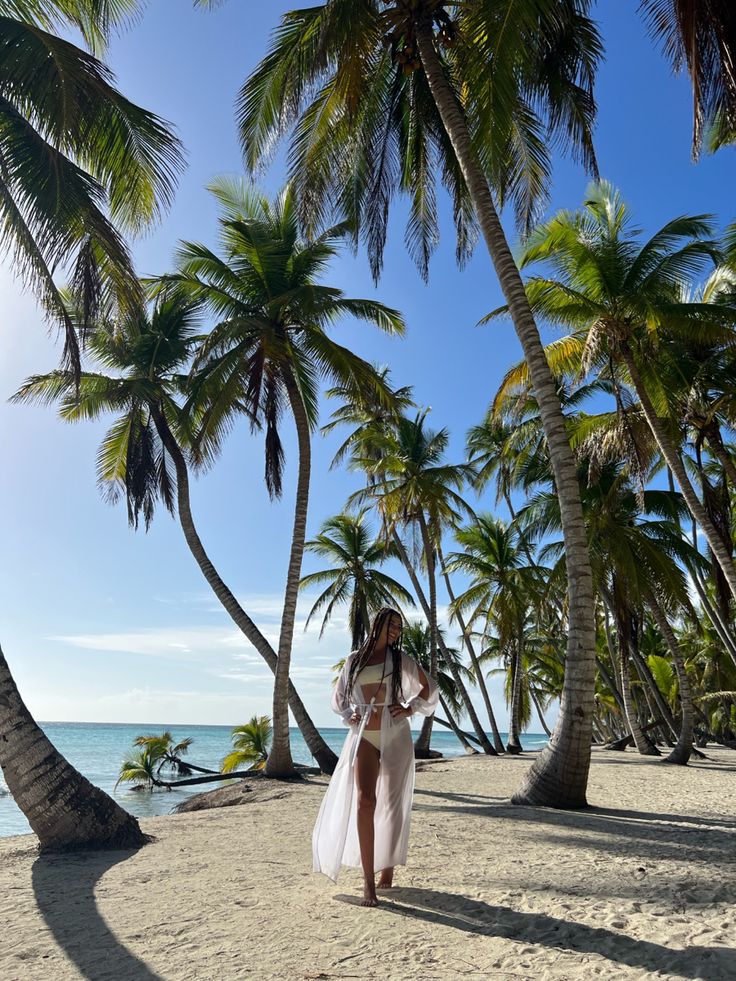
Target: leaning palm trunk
{"x":497,"y":741}
{"x":643,"y":745}
{"x":672,"y":458}
{"x":64,"y":809}
{"x":319,"y":749}
{"x":514,"y":743}
{"x":469,"y":707}
{"x":651,"y":688}
{"x":540,"y":713}
{"x":421,"y":746}
{"x":456,"y":728}
{"x":715,"y":441}
{"x":279,"y":762}
{"x":684,"y":747}
{"x":559,"y":776}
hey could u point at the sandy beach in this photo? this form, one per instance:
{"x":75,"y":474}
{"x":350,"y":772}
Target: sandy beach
{"x":641,"y":885}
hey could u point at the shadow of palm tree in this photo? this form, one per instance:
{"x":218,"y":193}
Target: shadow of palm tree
{"x":472,"y":916}
{"x":64,"y":887}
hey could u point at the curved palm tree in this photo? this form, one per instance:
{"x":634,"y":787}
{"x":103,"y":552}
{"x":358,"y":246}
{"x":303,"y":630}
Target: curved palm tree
{"x":145,"y":456}
{"x":384,"y":97}
{"x":77,"y":158}
{"x":62,"y":807}
{"x":250,"y":745}
{"x":267,"y":352}
{"x":623,"y":298}
{"x":354,"y":578}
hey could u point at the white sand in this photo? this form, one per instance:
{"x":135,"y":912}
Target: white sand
{"x":641,"y":886}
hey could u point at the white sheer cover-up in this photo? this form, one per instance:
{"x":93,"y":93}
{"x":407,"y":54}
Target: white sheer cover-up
{"x":335,"y":836}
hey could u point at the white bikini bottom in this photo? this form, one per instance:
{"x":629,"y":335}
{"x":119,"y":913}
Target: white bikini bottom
{"x":373,"y":736}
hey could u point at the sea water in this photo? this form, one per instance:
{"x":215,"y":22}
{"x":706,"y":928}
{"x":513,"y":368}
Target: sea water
{"x":98,"y":749}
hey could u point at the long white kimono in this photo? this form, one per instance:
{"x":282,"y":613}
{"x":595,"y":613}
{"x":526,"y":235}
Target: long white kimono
{"x":335,"y":837}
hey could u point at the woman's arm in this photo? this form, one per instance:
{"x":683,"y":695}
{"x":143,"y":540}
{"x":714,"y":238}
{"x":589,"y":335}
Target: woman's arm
{"x":426,"y":699}
{"x":340,"y":703}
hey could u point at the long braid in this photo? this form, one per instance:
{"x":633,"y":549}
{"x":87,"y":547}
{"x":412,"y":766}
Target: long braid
{"x":366,"y":649}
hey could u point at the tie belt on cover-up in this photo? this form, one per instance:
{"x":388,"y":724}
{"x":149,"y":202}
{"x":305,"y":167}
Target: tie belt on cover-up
{"x":371,"y":706}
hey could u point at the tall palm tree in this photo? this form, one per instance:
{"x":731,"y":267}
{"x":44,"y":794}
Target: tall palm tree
{"x":639,"y":560}
{"x":412,"y":488}
{"x":383,"y":98}
{"x":267,"y":352}
{"x":354,"y":578}
{"x":624,"y":298}
{"x":372,"y":429}
{"x":78,"y":161}
{"x":145,"y":456}
{"x":500,"y":597}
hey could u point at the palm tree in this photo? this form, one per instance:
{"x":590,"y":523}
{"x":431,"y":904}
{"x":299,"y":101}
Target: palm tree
{"x":382,"y":98}
{"x":701,"y":37}
{"x":413,"y":489}
{"x":144,"y":456}
{"x":639,"y":557}
{"x":623,"y":299}
{"x":500,"y":596}
{"x":77,"y":158}
{"x":268,"y":351}
{"x":62,"y":807}
{"x":354,"y":578}
{"x":416,"y":640}
{"x":250,"y":745}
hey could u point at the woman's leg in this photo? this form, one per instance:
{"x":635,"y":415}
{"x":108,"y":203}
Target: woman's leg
{"x":367,"y":764}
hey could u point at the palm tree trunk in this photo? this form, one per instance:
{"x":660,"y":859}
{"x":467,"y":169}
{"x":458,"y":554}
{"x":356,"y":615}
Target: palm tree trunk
{"x":421,"y":746}
{"x":514,"y":745}
{"x":720,"y":627}
{"x":654,"y":697}
{"x":319,"y":749}
{"x":279,"y":762}
{"x":715,"y":441}
{"x":672,"y":458}
{"x":470,"y":750}
{"x":559,"y":776}
{"x":497,"y":741}
{"x":540,"y":713}
{"x":447,"y":658}
{"x":64,"y":809}
{"x":643,"y":745}
{"x":681,"y":753}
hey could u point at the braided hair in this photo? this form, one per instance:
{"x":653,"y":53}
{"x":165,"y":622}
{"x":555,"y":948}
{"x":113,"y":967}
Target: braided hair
{"x":362,"y":655}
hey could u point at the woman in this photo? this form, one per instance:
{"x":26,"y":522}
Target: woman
{"x":365,"y":813}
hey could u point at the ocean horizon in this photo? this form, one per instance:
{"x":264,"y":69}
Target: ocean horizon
{"x":97,"y":749}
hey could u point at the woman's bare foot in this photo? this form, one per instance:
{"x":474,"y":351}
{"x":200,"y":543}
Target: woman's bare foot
{"x":369,"y":895}
{"x":386,"y":880}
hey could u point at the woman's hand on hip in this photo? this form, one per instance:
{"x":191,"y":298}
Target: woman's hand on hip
{"x":400,"y":711}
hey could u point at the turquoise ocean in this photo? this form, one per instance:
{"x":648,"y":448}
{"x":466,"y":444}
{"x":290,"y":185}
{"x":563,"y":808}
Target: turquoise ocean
{"x":97,"y":750}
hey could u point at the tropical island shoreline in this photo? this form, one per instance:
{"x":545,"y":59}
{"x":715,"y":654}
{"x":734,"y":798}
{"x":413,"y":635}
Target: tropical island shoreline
{"x":641,"y":884}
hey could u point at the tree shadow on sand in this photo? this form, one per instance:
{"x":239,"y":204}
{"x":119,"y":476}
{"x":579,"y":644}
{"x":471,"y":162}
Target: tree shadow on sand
{"x":64,"y":887}
{"x":472,"y":916}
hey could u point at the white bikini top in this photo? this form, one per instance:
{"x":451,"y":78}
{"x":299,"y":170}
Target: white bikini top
{"x":372,"y":674}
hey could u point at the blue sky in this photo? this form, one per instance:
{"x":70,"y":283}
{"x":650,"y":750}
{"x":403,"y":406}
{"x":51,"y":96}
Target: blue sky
{"x":100,"y":623}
